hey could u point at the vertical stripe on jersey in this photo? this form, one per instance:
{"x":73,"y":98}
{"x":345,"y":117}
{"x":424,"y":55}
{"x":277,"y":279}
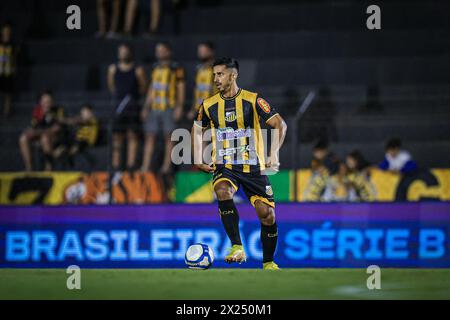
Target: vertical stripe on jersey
{"x":240,"y":125}
{"x":222,"y":124}
{"x":259,"y":142}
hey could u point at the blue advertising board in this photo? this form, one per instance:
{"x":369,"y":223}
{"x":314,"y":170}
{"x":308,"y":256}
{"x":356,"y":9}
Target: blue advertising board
{"x":156,"y":236}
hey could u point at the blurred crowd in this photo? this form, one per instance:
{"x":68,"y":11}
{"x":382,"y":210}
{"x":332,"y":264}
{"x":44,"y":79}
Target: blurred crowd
{"x":8,"y":60}
{"x":348,"y":179}
{"x":146,"y":107}
{"x":110,"y":12}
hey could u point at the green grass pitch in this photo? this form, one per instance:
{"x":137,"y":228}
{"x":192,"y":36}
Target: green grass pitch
{"x":224,"y":284}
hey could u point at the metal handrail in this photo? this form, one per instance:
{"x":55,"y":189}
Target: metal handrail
{"x":294,"y":133}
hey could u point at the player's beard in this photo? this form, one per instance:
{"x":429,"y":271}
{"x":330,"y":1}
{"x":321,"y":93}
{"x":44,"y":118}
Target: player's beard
{"x":126,"y":60}
{"x":205,"y":59}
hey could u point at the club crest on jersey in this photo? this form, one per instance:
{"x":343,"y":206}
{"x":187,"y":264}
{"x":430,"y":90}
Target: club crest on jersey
{"x":269,"y":190}
{"x":264,"y":105}
{"x":230,"y":116}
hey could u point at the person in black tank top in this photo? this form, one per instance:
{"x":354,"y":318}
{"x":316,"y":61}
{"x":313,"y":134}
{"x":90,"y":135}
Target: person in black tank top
{"x":8,"y":62}
{"x":126,"y":83}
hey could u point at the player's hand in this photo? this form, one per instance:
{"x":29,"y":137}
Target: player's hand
{"x":177,"y":113}
{"x":191,"y":115}
{"x":204,"y":167}
{"x":144,"y":114}
{"x":273,"y":165}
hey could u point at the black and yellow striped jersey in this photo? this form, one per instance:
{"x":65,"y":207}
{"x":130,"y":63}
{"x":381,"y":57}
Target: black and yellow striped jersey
{"x":237,"y":140}
{"x":164,"y":80}
{"x":204,"y":84}
{"x":8,"y":54}
{"x":88,"y":132}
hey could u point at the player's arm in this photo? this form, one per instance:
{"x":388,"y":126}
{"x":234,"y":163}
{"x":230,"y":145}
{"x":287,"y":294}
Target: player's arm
{"x":277,"y":123}
{"x":110,"y":78}
{"x":271,"y":117}
{"x":147,"y":102}
{"x":72,"y":121}
{"x":181,"y":93}
{"x":199,"y":126}
{"x":142,"y":80}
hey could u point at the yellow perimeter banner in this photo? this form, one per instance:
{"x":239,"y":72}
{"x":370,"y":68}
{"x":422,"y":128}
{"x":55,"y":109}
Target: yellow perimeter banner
{"x":380,"y":185}
{"x":56,"y":188}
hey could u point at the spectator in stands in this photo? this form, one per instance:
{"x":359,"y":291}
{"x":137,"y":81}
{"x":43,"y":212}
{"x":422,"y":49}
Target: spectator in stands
{"x":204,"y":80}
{"x":130,"y":15}
{"x":127,"y":83}
{"x":45,"y":127}
{"x":358,"y":177}
{"x":317,"y":184}
{"x":86,"y":134}
{"x":130,"y":7}
{"x":155,"y":16}
{"x":156,"y":9}
{"x":396,"y":159}
{"x":102,"y":8}
{"x":338,"y":187}
{"x":8,"y":61}
{"x":164,"y":105}
{"x":356,"y":162}
{"x":322,"y":153}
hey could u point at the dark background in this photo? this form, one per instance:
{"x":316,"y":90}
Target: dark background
{"x":370,"y":85}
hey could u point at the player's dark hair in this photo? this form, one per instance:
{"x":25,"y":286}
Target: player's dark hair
{"x":87,"y":106}
{"x":165,"y":44}
{"x":361,"y":162}
{"x":321,"y":144}
{"x":394,"y":143}
{"x":43,"y":93}
{"x":129,"y":47}
{"x":227,"y":62}
{"x":208,"y":44}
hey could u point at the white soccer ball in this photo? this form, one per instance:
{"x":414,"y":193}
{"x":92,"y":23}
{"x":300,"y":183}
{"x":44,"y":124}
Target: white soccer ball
{"x":199,"y":256}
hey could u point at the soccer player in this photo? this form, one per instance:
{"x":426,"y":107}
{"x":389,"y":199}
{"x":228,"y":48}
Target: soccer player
{"x":233,"y":115}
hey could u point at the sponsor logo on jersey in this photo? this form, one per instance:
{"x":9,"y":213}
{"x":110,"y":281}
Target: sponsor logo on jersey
{"x":230,"y":116}
{"x":264,"y":105}
{"x":229,"y":133}
{"x":231,"y":151}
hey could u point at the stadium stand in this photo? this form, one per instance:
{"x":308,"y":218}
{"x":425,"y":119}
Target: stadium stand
{"x":284,"y":52}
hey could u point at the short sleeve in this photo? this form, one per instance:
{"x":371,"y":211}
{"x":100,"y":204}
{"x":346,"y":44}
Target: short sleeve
{"x":264,"y":109}
{"x":179,"y":73}
{"x":202,"y":118}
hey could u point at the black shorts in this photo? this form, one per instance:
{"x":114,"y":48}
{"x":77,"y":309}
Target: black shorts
{"x":256,"y":186}
{"x":128,"y":120}
{"x":82,"y":145}
{"x":6,"y":84}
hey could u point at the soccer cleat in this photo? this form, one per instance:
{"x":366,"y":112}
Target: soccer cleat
{"x":270,"y":266}
{"x":237,"y":254}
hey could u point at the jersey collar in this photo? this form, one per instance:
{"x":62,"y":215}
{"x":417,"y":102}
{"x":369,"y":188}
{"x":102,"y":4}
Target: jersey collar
{"x":233,"y":97}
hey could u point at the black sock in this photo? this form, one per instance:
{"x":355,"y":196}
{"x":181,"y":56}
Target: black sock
{"x":269,"y":238}
{"x":230,"y":220}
